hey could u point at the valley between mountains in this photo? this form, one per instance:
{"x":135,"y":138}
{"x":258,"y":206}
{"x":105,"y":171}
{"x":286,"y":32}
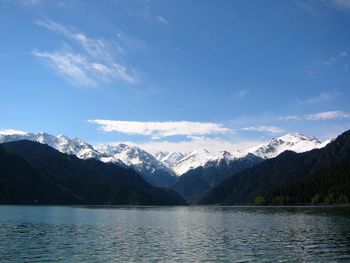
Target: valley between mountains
{"x":292,"y":169}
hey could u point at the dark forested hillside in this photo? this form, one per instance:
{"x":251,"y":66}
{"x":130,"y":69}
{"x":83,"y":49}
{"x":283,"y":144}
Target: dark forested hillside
{"x":321,"y":175}
{"x":21,"y":183}
{"x":90,"y":181}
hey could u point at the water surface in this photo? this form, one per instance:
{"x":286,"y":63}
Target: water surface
{"x":174,"y":234}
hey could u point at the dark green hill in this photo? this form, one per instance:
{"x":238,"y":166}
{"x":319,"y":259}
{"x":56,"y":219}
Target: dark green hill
{"x":92,"y":181}
{"x":21,"y":183}
{"x":321,"y":175}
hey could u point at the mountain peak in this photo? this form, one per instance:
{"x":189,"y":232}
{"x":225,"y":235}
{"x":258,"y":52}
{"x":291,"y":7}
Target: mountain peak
{"x":296,"y":142}
{"x":296,"y":136}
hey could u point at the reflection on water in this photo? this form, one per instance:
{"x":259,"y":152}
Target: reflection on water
{"x":168,"y":234}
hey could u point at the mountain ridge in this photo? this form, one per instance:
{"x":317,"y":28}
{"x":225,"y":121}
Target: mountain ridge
{"x":92,"y":181}
{"x":163,"y":169}
{"x":290,"y":178}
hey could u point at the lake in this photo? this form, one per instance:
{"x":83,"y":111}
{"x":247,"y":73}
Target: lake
{"x":174,"y":234}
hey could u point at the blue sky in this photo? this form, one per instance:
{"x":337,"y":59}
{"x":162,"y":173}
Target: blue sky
{"x":175,"y":75}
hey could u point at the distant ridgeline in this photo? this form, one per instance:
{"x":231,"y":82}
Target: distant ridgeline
{"x":317,"y":176}
{"x":34,"y":173}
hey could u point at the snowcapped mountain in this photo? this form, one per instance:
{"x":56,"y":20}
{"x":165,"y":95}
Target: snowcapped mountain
{"x":295,"y":142}
{"x":61,"y":143}
{"x":224,"y":157}
{"x":195,"y":182}
{"x":169,"y":159}
{"x":162,"y":168}
{"x":190,"y":161}
{"x":146,"y":164}
{"x":151,"y":169}
{"x":181,"y":163}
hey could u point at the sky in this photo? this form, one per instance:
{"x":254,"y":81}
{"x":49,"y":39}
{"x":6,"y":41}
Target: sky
{"x":175,"y":75}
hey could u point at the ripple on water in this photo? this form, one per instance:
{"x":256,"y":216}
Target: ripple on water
{"x":168,"y":234}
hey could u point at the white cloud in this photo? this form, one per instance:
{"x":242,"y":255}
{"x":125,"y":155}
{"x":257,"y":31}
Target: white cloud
{"x":72,"y":66}
{"x":271,"y":129}
{"x":11,"y":132}
{"x":157,"y":130}
{"x":328,"y":115}
{"x":79,"y":70}
{"x":93,"y":63}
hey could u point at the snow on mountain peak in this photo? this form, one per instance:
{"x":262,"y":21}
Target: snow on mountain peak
{"x":192,"y":160}
{"x":135,"y":157}
{"x":169,"y":163}
{"x":295,"y":142}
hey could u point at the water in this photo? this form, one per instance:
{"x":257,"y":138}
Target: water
{"x":174,"y":234}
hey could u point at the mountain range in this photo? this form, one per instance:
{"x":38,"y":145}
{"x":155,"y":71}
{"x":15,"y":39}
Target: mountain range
{"x":35,"y":173}
{"x":75,"y":172}
{"x":164,"y":169}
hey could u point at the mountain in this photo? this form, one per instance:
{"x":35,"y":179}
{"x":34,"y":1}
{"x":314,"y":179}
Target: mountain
{"x":194,"y":183}
{"x":295,"y":142}
{"x":89,"y":181}
{"x":204,"y":170}
{"x":61,"y":143}
{"x":152,"y":170}
{"x":169,"y":159}
{"x":161,"y":169}
{"x":22,"y":183}
{"x":181,"y":163}
{"x":319,"y":175}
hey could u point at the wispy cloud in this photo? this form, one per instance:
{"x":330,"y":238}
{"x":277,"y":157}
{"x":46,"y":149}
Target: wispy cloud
{"x":341,"y":4}
{"x":156,"y":130}
{"x":242,"y":93}
{"x":92,"y":63}
{"x":29,"y":3}
{"x":289,"y":117}
{"x":324,"y":116}
{"x":162,"y":20}
{"x":305,"y":5}
{"x":328,"y":115}
{"x":330,"y":61}
{"x":318,"y":8}
{"x":321,"y":63}
{"x":319,"y":98}
{"x":322,"y":97}
{"x":270,"y":129}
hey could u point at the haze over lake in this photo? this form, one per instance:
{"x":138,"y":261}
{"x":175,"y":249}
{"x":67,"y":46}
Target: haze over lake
{"x":169,"y":234}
